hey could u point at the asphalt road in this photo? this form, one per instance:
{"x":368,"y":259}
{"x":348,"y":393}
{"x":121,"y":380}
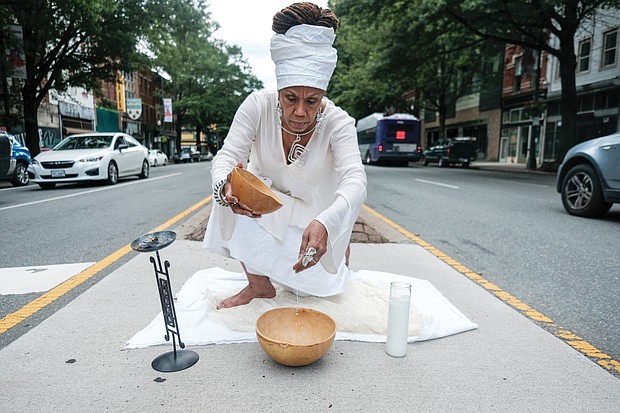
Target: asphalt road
{"x":512,"y":228}
{"x":86,"y":222}
{"x":81,"y":223}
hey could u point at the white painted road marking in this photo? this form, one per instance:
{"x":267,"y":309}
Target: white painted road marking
{"x":89,"y":192}
{"x":437,"y":183}
{"x":34,"y":279}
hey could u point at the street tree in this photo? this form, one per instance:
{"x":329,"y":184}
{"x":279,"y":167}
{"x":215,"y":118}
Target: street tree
{"x":72,"y":43}
{"x":355,"y":85}
{"x":438,"y":63}
{"x":530,"y":24}
{"x":10,"y":94}
{"x":390,"y":53}
{"x":208,"y":78}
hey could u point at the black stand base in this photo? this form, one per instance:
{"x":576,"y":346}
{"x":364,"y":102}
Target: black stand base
{"x":167,"y":362}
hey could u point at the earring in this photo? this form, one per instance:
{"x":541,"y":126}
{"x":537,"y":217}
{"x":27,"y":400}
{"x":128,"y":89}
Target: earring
{"x":320,"y":119}
{"x":279,"y":114}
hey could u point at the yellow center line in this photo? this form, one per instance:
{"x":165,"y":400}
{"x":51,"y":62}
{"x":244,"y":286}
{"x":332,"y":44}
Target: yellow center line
{"x":11,"y":320}
{"x":571,"y":339}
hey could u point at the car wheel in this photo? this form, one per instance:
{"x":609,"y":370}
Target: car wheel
{"x":112,"y":173}
{"x":145,"y":170}
{"x":582,"y":194}
{"x":442,"y":163}
{"x":20,"y":178}
{"x":47,"y":185}
{"x":425,"y":161}
{"x":465,"y":164}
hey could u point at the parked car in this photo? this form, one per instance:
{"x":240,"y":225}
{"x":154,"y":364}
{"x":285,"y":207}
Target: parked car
{"x":21,"y":154}
{"x":451,"y":151}
{"x":589,"y":177}
{"x":189,"y":155}
{"x":7,"y":161}
{"x":206,"y":156}
{"x":157,"y":157}
{"x":91,"y":157}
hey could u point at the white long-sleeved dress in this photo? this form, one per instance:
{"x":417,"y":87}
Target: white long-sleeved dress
{"x":330,"y":186}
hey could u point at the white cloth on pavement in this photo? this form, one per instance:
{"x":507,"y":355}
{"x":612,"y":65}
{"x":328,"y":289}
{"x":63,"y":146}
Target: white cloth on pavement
{"x":360,"y":312}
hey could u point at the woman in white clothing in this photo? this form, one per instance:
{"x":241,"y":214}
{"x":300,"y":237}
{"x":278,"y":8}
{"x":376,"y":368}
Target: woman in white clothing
{"x":305,"y":148}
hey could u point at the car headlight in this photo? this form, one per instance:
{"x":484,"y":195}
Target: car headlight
{"x":92,"y":159}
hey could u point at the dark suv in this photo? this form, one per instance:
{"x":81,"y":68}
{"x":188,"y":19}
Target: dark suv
{"x":451,"y":151}
{"x":21,"y":159}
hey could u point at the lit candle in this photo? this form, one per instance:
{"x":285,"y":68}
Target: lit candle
{"x":398,"y":319}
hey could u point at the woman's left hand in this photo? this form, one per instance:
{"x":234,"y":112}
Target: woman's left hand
{"x":236,"y":206}
{"x":315,"y":236}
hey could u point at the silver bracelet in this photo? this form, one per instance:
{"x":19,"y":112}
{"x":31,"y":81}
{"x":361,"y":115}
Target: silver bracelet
{"x":217,"y":193}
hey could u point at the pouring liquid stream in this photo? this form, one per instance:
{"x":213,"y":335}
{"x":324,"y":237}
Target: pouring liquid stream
{"x":297,"y":308}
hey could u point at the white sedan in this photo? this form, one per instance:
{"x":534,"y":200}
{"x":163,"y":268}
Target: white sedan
{"x":105,"y":156}
{"x":157,"y":157}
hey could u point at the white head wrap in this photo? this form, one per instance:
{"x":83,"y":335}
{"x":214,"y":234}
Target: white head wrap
{"x":304,"y":56}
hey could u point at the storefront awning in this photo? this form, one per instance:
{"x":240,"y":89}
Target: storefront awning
{"x":75,"y":131}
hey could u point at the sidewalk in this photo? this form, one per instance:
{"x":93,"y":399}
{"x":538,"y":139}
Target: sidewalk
{"x":507,"y":167}
{"x":76,"y":361}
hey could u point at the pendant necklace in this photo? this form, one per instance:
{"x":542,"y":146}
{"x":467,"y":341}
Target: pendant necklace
{"x":298,"y":152}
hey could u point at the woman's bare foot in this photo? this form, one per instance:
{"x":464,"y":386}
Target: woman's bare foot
{"x":250,"y":292}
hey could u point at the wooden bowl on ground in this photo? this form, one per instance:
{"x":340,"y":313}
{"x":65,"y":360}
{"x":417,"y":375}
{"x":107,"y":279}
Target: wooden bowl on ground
{"x":295,"y":336}
{"x":253,"y":192}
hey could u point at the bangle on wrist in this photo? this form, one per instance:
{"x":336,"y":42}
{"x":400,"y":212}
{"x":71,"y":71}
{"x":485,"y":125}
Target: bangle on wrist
{"x":217,"y":193}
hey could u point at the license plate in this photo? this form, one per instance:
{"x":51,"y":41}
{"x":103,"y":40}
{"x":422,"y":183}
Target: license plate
{"x":405,"y":147}
{"x":58,"y":174}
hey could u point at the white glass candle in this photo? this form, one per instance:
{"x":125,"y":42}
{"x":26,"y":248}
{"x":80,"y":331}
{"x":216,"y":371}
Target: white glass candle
{"x":398,"y":319}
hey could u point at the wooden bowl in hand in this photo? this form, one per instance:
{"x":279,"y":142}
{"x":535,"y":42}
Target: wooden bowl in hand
{"x":253,"y":193}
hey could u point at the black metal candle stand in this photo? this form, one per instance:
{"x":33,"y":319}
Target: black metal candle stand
{"x":175,"y":360}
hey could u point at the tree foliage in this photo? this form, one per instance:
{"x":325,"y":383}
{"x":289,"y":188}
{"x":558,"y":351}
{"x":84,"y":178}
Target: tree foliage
{"x":436,"y":47}
{"x":72,"y":43}
{"x":391,"y":49}
{"x":82,"y":42}
{"x":208,"y":78}
{"x":354,"y":85}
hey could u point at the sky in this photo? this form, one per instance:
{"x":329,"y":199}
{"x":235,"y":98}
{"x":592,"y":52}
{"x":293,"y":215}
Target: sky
{"x":247,"y":23}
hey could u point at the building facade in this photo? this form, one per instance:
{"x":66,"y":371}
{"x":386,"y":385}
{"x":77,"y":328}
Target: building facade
{"x":597,"y":80}
{"x":476,"y":114}
{"x":527,"y":122}
{"x":524,"y":89}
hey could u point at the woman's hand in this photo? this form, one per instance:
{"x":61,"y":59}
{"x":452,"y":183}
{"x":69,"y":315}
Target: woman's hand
{"x":235,"y":205}
{"x":315,"y":236}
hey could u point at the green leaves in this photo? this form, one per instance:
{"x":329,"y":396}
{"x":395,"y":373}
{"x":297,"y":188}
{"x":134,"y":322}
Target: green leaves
{"x":208,"y":78}
{"x":395,"y":47}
